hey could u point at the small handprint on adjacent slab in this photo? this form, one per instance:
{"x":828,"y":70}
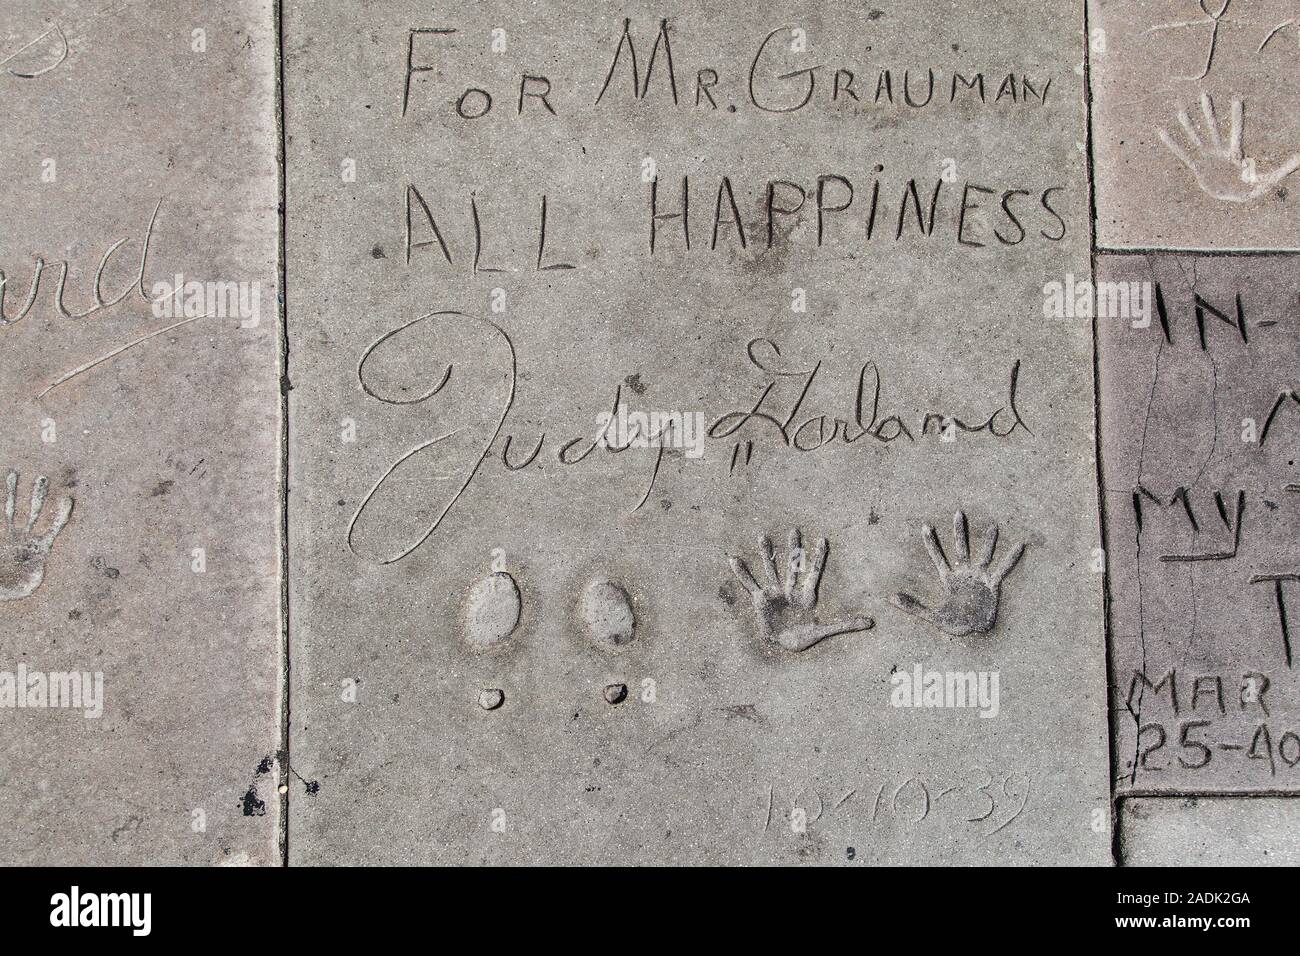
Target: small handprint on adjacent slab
{"x":1222,"y":169}
{"x":971,"y":591}
{"x":23,"y":551}
{"x":784,"y":607}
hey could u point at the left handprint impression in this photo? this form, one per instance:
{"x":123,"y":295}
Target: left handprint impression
{"x":785,"y":608}
{"x":23,"y":553}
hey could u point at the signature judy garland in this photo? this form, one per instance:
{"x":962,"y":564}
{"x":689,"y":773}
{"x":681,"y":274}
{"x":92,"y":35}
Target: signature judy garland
{"x":761,"y":422}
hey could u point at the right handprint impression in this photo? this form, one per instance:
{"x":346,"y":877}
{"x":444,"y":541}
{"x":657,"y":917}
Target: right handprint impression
{"x":971,"y":591}
{"x":22,"y":551}
{"x":1223,"y":170}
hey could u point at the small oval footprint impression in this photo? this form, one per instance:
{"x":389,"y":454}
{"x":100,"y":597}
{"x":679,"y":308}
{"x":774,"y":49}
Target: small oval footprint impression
{"x":607,"y":612}
{"x":492,"y":611}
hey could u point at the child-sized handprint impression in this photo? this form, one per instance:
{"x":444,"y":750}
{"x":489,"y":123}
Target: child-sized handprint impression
{"x":970,"y":591}
{"x":785,"y":608}
{"x":23,"y":552}
{"x":1223,"y":170}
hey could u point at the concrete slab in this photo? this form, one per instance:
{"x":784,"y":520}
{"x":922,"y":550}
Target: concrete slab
{"x":147,"y":423}
{"x":1210,"y":831}
{"x":1200,"y":445}
{"x":1195,"y":133}
{"x":576,"y":345}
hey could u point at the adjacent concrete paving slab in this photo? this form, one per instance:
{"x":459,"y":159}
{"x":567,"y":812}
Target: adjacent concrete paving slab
{"x":575,"y":345}
{"x":1210,"y":831}
{"x":1195,"y":132}
{"x":150,"y":569}
{"x":1200,"y":407}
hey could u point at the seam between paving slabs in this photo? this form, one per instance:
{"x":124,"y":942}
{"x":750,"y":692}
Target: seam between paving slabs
{"x":1102,"y":528}
{"x":1176,"y":251}
{"x":282,"y":310}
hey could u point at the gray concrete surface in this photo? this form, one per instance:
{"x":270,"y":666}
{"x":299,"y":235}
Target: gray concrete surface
{"x":454,"y":531}
{"x":694,"y":433}
{"x":151,"y":571}
{"x":1200,"y":442}
{"x":1195,"y":135}
{"x":1210,"y":831}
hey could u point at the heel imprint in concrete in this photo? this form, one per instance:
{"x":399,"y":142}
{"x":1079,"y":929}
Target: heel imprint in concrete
{"x":607,"y":614}
{"x":492,"y":611}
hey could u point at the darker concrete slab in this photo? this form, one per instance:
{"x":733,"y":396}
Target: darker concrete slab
{"x":1201,"y":454}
